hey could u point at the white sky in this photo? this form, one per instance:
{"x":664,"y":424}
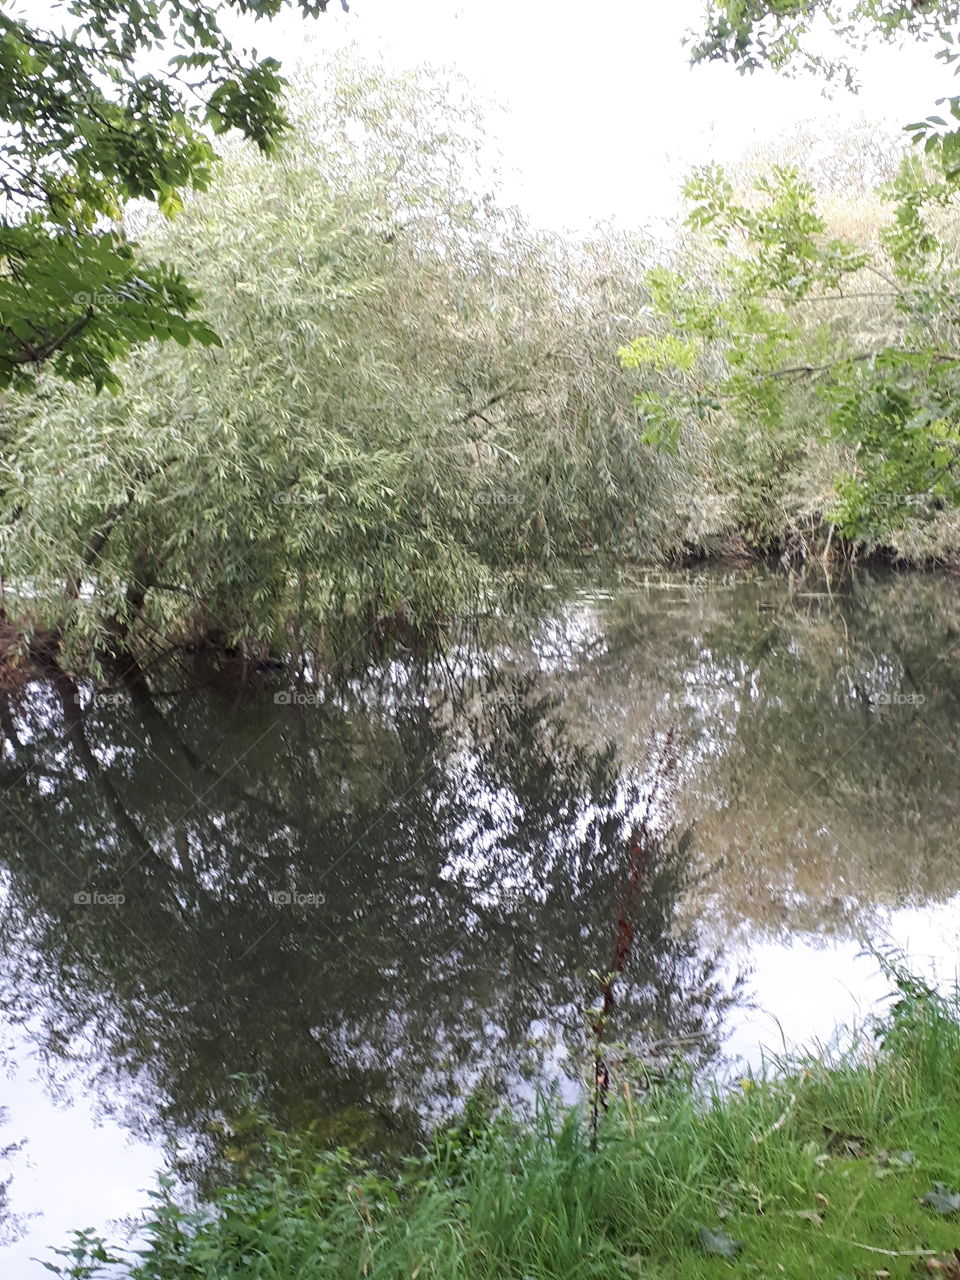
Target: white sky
{"x":602,"y":114}
{"x":599,"y":114}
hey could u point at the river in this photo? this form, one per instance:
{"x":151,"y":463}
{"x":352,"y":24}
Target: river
{"x":352,"y":902}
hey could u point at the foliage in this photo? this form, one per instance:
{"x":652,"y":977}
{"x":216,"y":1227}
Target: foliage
{"x":784,"y":34}
{"x":93,"y":118}
{"x":756,"y":33}
{"x":414,"y":395}
{"x":764,"y":343}
{"x":823,"y":1166}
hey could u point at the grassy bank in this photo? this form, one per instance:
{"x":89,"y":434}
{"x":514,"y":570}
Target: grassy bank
{"x":826,"y":1168}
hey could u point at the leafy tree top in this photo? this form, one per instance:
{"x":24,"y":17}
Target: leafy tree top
{"x":120,"y":104}
{"x":785,"y":35}
{"x":781,"y":33}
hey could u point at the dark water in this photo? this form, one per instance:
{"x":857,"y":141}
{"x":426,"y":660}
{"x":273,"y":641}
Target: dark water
{"x":356,"y":903}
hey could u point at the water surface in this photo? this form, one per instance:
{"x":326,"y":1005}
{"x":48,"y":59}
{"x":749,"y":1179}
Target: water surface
{"x":358,"y":902}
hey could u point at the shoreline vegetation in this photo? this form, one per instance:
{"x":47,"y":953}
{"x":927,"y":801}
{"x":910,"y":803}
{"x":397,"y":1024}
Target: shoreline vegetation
{"x":126,"y":653}
{"x":418,"y":400}
{"x":358,"y":402}
{"x":346,"y":645}
{"x":831,"y":1163}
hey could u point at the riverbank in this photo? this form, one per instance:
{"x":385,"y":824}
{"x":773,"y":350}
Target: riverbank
{"x":847,"y":1166}
{"x":347,"y":642}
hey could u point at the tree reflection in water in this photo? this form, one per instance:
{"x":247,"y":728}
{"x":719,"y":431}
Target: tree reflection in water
{"x":358,"y":906}
{"x":451,"y":841}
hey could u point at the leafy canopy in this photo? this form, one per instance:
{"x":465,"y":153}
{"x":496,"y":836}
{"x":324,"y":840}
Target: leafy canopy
{"x":744,"y":344}
{"x":413,"y":399}
{"x":787,"y":34}
{"x":92,"y":116}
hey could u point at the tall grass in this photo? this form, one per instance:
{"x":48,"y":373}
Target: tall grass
{"x":815,"y":1167}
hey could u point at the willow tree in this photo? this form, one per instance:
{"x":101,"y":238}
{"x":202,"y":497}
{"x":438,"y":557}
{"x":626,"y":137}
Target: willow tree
{"x":415,"y":396}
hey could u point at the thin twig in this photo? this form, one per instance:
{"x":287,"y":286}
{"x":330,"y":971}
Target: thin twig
{"x":887,"y":1253}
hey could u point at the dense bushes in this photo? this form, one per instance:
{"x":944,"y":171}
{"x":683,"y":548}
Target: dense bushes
{"x":416,"y":395}
{"x":811,"y":328}
{"x":417,"y":401}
